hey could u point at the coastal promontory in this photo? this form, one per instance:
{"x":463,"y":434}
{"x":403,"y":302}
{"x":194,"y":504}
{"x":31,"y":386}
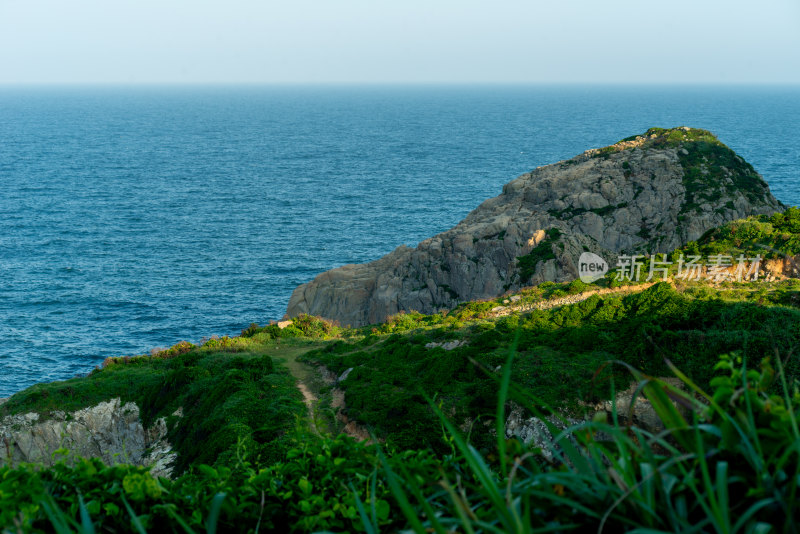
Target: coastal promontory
{"x":646,"y":194}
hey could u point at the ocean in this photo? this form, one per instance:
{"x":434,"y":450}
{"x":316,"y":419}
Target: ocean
{"x":134,"y":218}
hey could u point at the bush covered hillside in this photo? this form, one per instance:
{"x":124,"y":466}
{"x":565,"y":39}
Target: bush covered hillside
{"x":261,"y":422}
{"x":772,"y":237}
{"x":228,"y":396}
{"x":562,"y":355}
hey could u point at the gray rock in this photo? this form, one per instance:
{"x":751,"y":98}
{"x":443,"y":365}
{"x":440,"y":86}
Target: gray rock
{"x":446,"y":345}
{"x":630,"y":198}
{"x":534,"y":431}
{"x":110,"y":431}
{"x":636,"y":409}
{"x":344,"y":375}
{"x":639,"y":413}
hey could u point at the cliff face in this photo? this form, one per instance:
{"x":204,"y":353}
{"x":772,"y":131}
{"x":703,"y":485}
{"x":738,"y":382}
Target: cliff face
{"x":645,"y":194}
{"x":111,"y":431}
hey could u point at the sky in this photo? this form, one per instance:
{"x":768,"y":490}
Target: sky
{"x":405,"y":41}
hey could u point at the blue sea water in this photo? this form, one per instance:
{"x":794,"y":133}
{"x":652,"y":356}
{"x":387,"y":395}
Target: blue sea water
{"x":132,"y":218}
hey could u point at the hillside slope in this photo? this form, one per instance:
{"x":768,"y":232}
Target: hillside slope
{"x":430,"y":389}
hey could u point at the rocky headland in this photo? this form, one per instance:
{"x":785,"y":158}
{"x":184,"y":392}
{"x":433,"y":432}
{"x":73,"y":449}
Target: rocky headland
{"x":645,"y":194}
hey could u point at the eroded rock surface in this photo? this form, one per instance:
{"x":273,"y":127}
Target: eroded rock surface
{"x":111,"y":431}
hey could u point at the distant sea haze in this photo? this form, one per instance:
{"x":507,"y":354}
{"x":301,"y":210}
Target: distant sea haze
{"x":136,"y":218}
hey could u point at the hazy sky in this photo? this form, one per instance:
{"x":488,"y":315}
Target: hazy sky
{"x":410,"y":41}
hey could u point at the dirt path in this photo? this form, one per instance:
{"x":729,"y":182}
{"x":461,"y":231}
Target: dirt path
{"x":307,"y":379}
{"x":310,"y":381}
{"x":311,"y":401}
{"x":510,"y":308}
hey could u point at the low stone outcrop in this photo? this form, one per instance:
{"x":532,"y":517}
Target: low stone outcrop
{"x":646,"y":194}
{"x":534,"y":432}
{"x":111,"y":431}
{"x":630,"y":405}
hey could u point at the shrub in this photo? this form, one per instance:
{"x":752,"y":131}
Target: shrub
{"x":557,"y":294}
{"x":315,"y":327}
{"x":731,"y":465}
{"x":322,"y":485}
{"x":541,"y":252}
{"x":577,"y":286}
{"x":401,"y":322}
{"x":252,"y":330}
{"x":226,"y":343}
{"x":291,"y":331}
{"x":179,"y":348}
{"x":472,"y":310}
{"x":768,"y":236}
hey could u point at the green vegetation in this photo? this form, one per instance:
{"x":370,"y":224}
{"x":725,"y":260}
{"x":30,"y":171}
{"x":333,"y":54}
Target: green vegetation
{"x":569,"y":213}
{"x":670,"y":138}
{"x":776,"y":236}
{"x":728,"y":462}
{"x":227,"y":397}
{"x":248,"y":460}
{"x":561,"y":354}
{"x":319,"y":486}
{"x":676,"y":137}
{"x":303,"y":325}
{"x":710,"y":168}
{"x":541,"y":252}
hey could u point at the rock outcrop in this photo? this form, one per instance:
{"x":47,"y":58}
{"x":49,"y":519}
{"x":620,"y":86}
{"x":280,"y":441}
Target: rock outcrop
{"x":646,"y":194}
{"x":631,"y":407}
{"x":111,"y":431}
{"x":534,"y":431}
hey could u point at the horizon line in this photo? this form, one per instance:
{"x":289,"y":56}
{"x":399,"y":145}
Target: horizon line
{"x":266,"y":84}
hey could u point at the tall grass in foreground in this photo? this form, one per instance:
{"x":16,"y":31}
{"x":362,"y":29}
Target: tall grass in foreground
{"x":726,"y":462}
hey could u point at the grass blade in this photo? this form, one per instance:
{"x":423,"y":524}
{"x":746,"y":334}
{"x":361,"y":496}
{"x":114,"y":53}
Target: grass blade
{"x":137,"y":523}
{"x":402,"y":499}
{"x":213,"y":514}
{"x":369,"y":526}
{"x":58,"y":519}
{"x":500,"y":420}
{"x":87,"y":527}
{"x":178,"y":519}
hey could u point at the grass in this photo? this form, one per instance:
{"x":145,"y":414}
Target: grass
{"x":775,"y":236}
{"x":729,"y":461}
{"x":226,"y":397}
{"x":560,"y":355}
{"x":714,"y":469}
